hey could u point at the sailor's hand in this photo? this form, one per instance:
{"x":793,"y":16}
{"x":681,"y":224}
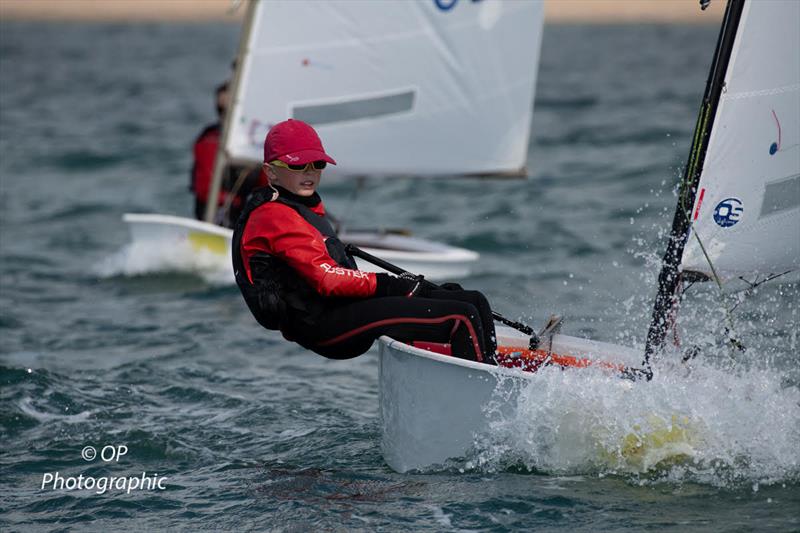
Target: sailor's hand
{"x":421,"y":287}
{"x":405,"y":285}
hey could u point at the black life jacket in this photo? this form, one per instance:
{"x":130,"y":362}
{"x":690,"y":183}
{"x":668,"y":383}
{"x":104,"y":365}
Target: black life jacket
{"x":279,"y":298}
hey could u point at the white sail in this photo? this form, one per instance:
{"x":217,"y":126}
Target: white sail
{"x":428,"y":87}
{"x":747,"y":208}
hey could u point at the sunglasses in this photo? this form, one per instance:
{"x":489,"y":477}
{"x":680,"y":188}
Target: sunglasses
{"x":316,"y":165}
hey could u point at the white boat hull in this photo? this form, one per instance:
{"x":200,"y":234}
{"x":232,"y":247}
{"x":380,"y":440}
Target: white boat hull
{"x":204,"y":247}
{"x":432,"y":406}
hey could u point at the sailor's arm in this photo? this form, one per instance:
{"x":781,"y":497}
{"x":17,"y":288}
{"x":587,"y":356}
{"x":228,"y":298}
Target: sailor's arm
{"x":288,"y":236}
{"x":291,"y":239}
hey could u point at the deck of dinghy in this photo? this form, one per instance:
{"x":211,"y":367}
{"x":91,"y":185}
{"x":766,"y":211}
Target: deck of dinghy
{"x":529,"y":360}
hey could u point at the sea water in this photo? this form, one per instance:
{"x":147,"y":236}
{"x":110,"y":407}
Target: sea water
{"x":115,"y":352}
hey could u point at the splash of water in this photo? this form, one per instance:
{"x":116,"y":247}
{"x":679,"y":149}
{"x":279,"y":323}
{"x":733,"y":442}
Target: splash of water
{"x":154,"y":257}
{"x":699,"y":424}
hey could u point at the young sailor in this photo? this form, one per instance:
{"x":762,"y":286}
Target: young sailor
{"x":237,"y":181}
{"x":297,"y":277}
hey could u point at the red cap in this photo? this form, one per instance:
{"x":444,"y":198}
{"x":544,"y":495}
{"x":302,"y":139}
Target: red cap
{"x":294,"y":142}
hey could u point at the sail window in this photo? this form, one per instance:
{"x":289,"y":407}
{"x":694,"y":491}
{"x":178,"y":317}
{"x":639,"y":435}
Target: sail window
{"x":355,"y":109}
{"x":781,"y":195}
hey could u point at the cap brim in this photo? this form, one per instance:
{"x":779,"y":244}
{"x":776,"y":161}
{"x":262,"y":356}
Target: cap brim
{"x":306,"y":156}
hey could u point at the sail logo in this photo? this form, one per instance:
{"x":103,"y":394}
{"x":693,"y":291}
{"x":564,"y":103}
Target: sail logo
{"x":776,"y":146}
{"x":728,"y":212}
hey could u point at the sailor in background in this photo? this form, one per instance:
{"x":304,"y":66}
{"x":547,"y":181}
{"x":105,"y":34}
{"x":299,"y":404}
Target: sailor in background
{"x":297,"y":277}
{"x":237,"y":181}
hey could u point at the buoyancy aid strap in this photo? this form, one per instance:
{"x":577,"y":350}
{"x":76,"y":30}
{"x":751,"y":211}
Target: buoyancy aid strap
{"x":336,"y":248}
{"x":263,"y":195}
{"x":319,"y":223}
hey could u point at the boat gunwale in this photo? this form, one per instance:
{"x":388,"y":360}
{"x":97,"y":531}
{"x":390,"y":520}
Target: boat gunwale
{"x":563,"y":345}
{"x":449,"y":359}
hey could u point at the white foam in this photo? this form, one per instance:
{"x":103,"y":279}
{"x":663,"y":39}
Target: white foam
{"x":27,"y":407}
{"x":154,"y":257}
{"x":442,"y":518}
{"x":704,"y":425}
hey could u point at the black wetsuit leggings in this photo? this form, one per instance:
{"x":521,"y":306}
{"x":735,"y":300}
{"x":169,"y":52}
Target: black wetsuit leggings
{"x":461,"y":318}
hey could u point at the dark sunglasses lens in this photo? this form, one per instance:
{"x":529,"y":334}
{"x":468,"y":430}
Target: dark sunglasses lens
{"x":297,"y":167}
{"x":319,"y":165}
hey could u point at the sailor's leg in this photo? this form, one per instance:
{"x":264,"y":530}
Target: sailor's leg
{"x":484,"y":316}
{"x":350,"y":330}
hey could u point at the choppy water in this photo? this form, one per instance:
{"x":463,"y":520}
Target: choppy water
{"x":255,"y":433}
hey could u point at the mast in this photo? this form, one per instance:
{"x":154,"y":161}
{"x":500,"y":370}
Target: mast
{"x":221,"y":158}
{"x":669,"y":278}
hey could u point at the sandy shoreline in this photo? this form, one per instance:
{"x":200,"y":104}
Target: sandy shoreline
{"x":557,"y":11}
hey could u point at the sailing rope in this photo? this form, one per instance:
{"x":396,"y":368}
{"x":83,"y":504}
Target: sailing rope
{"x":729,"y":329}
{"x":752,"y":285}
{"x":687,"y":212}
